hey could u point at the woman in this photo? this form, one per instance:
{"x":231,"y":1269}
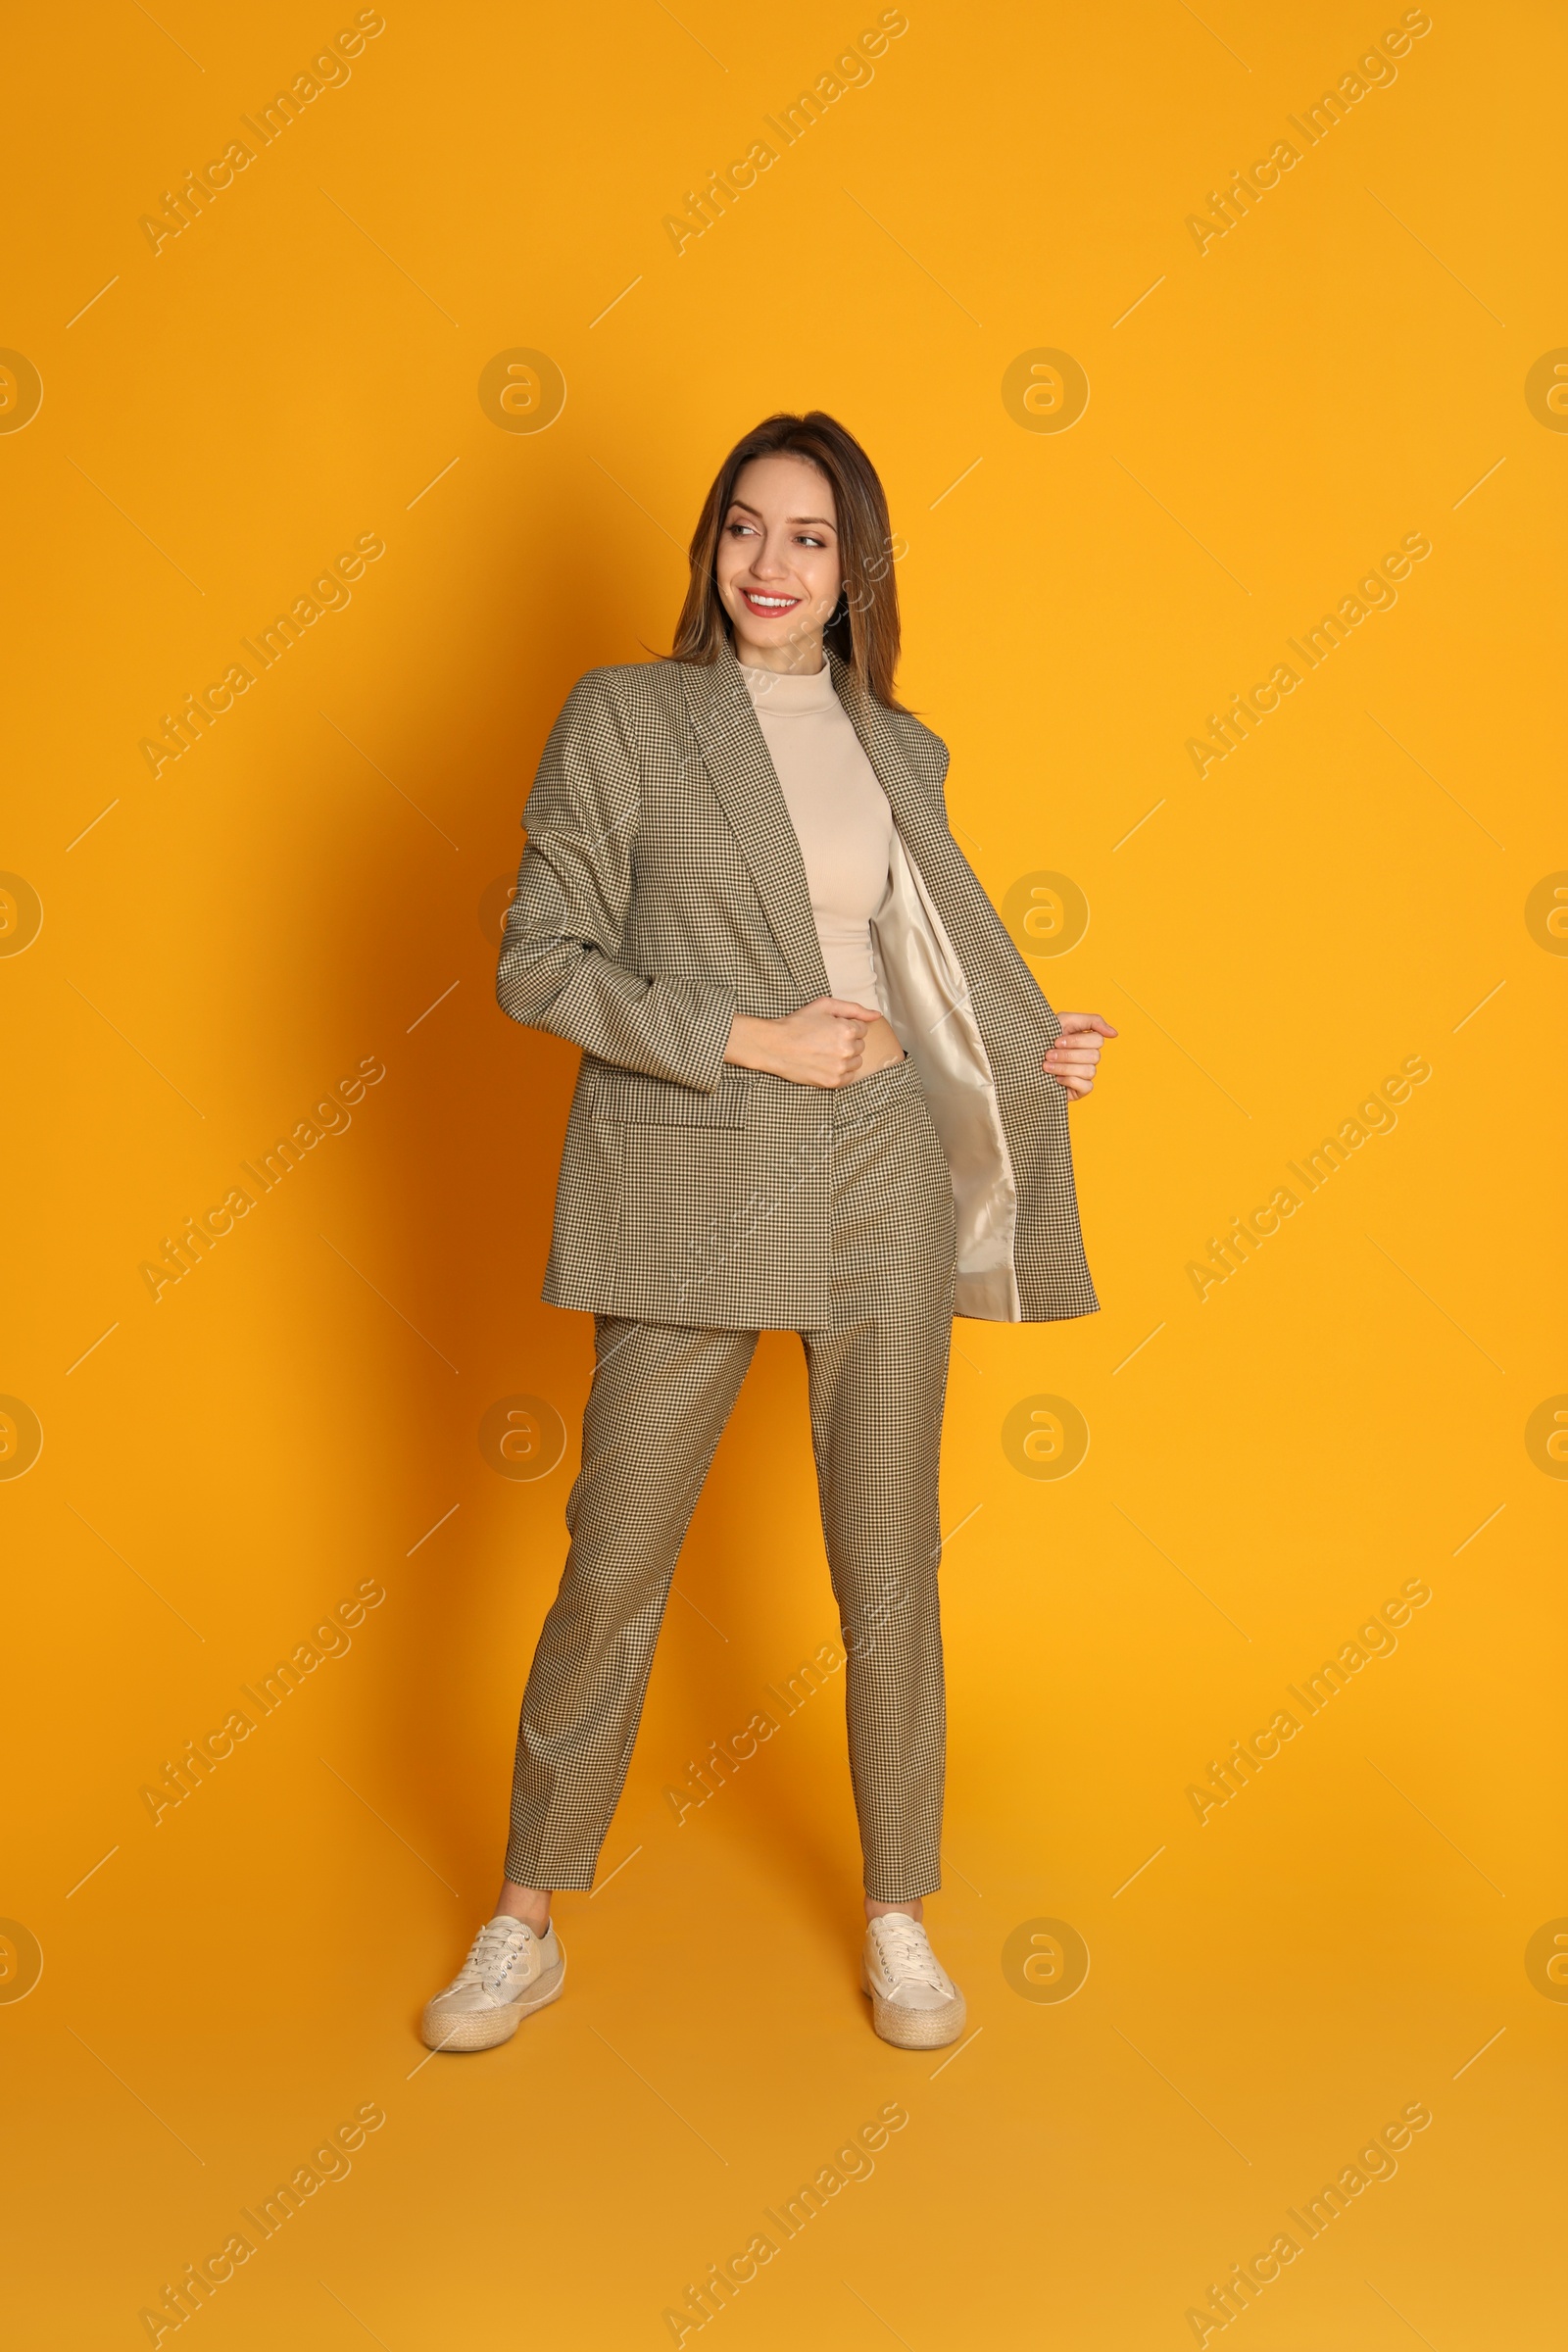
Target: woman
{"x":821,"y":1093}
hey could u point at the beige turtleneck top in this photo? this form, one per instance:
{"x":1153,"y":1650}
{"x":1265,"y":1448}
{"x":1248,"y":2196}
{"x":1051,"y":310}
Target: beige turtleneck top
{"x":841,"y":818}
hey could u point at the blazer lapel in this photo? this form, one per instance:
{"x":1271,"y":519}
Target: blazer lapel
{"x":735,"y":757}
{"x":912,"y":812}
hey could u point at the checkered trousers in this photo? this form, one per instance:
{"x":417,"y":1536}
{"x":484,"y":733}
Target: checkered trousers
{"x":662,"y":1393}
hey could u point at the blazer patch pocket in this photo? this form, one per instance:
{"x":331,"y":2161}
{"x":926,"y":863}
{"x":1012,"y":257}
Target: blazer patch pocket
{"x":693,"y":1204}
{"x":628,"y":1099}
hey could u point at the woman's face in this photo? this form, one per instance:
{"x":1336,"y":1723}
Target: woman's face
{"x":778,"y":568}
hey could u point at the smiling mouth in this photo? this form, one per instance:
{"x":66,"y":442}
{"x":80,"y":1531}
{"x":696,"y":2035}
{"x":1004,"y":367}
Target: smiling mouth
{"x":767,"y":607}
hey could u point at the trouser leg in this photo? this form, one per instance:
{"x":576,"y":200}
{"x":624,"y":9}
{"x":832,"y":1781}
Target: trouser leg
{"x":656,"y":1411}
{"x":877,"y":1393}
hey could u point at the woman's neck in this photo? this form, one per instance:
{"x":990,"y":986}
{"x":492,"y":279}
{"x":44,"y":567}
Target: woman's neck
{"x":800,"y":660}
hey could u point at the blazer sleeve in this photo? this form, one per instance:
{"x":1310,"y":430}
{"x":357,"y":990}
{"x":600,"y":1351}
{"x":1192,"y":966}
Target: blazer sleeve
{"x":560,"y":966}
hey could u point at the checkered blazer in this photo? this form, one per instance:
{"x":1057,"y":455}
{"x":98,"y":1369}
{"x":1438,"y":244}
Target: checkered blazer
{"x":662,"y":892}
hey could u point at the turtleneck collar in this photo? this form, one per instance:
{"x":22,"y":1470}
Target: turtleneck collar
{"x":777,"y":694}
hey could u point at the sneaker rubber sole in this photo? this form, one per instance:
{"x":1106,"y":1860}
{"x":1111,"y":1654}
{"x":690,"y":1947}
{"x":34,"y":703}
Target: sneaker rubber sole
{"x":914,"y":2029}
{"x":487,"y":2028}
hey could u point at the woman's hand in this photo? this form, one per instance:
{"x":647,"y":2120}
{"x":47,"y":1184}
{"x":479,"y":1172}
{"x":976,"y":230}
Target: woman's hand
{"x":822,"y":1045}
{"x":1074,"y":1059}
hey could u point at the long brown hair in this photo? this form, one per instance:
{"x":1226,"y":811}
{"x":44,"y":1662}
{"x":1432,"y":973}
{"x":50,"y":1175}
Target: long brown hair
{"x":864,"y":629}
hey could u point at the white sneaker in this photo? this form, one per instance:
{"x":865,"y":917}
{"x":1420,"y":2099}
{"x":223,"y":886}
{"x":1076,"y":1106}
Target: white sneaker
{"x":510,"y":1971}
{"x":914,"y":2002}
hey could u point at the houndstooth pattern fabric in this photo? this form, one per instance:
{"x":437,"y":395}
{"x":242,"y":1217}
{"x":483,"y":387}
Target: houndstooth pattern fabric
{"x":661,"y":892}
{"x":661,"y":1395}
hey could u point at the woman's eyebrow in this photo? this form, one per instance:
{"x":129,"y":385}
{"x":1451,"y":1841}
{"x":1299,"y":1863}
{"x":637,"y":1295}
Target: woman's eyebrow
{"x":824,"y":521}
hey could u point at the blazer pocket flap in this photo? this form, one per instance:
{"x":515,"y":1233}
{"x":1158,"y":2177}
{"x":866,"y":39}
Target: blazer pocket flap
{"x":628,"y":1099}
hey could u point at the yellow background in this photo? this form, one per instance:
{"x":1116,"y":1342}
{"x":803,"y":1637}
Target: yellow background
{"x":297,"y":891}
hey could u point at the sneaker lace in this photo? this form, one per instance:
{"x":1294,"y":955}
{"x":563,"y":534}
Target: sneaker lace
{"x":905,"y":1951}
{"x":497,"y":1945}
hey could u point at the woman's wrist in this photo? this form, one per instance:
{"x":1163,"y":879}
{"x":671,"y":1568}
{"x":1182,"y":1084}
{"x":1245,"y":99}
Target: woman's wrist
{"x":748,"y":1041}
